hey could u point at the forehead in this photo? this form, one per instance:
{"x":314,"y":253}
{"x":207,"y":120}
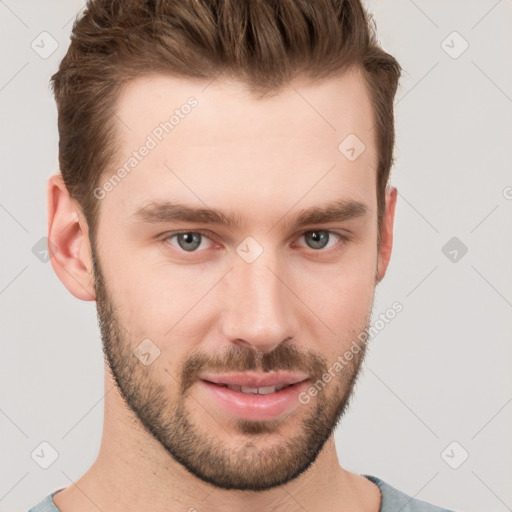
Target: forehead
{"x":214,"y":143}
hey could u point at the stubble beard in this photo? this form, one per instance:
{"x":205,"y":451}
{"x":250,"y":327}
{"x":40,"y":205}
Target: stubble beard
{"x":255,"y":464}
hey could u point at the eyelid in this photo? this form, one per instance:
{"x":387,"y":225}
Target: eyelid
{"x":166,"y":236}
{"x":326,"y":230}
{"x":342,"y":238}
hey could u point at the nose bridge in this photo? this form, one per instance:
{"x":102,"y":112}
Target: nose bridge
{"x":257,"y":307}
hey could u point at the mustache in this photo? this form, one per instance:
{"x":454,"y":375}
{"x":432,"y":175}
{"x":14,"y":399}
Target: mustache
{"x":242,"y":359}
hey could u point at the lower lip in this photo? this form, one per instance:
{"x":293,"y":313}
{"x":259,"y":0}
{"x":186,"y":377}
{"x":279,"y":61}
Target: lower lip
{"x":253,"y":406}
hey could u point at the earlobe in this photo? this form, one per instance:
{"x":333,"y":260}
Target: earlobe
{"x":386,"y":235}
{"x":68,"y":241}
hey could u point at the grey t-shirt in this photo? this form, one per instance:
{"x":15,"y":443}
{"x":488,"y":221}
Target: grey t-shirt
{"x":393,"y":500}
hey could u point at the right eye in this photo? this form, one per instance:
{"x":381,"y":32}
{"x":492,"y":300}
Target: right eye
{"x":188,"y":241}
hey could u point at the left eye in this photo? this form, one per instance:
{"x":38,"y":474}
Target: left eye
{"x":319,"y":239}
{"x":189,"y":241}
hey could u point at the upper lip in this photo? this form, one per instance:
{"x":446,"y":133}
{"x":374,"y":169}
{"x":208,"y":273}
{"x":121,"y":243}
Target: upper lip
{"x":256,"y":380}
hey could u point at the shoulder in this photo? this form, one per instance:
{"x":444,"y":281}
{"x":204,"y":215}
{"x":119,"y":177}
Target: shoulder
{"x":394,"y":499}
{"x":47,"y":504}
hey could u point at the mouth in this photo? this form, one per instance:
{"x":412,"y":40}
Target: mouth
{"x":263,"y":390}
{"x":254,"y":396}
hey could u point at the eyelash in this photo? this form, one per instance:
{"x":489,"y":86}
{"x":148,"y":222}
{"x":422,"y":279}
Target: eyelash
{"x":342,"y":239}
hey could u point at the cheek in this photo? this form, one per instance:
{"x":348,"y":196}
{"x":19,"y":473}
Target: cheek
{"x":159,"y":305}
{"x":340,"y":295}
{"x":159,"y":300}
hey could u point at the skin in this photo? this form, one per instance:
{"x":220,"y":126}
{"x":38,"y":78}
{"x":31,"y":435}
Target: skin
{"x":264,"y":160}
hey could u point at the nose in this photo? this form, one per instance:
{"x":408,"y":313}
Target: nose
{"x":258,"y":310}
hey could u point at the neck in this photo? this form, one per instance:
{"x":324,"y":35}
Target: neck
{"x":133,"y":472}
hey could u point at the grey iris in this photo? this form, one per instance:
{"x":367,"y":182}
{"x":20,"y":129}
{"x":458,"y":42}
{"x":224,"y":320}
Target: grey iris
{"x":189,"y":241}
{"x":317,"y":239}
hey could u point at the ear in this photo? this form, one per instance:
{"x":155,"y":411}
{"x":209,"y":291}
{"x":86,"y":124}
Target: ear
{"x":386,"y":234}
{"x":68,"y":241}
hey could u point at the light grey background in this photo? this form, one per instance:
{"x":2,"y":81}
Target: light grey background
{"x":439,"y":372}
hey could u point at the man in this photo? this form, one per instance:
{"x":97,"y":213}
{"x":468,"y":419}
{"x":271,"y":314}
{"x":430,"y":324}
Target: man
{"x":224,"y":199}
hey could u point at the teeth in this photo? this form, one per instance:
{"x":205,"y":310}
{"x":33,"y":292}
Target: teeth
{"x":264,"y":390}
{"x":249,"y":390}
{"x":267,"y":390}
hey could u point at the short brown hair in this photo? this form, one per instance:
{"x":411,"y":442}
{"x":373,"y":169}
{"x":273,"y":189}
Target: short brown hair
{"x":262,"y":43}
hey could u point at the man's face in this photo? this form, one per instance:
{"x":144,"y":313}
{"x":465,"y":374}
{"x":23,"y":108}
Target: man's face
{"x":267,"y":297}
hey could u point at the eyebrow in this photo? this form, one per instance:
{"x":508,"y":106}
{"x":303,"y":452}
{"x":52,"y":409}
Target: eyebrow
{"x":168,"y":211}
